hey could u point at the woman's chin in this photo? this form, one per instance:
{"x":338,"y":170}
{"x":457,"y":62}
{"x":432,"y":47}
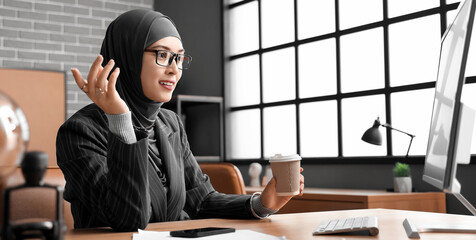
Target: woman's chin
{"x":159,"y":96}
{"x":163,"y":98}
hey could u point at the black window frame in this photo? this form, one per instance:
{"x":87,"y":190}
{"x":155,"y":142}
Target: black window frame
{"x":387,"y":90}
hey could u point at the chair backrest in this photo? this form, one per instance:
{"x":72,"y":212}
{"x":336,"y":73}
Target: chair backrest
{"x":36,"y":202}
{"x":225,"y":177}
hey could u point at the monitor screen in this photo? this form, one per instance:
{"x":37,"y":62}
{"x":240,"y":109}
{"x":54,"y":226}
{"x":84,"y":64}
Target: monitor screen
{"x":440,"y":162}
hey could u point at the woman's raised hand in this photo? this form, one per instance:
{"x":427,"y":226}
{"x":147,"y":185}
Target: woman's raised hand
{"x":101,"y":90}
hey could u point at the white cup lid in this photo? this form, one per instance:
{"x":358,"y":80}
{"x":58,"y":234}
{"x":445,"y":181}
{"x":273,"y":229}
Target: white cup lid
{"x":287,"y":158}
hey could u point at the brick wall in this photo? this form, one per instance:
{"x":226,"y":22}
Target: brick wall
{"x":57,"y":35}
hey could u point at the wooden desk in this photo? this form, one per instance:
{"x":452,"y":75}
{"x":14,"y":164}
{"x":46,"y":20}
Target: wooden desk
{"x":323,"y":199}
{"x":299,"y":226}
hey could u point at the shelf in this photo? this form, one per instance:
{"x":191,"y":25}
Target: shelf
{"x":202,"y":117}
{"x":208,"y":158}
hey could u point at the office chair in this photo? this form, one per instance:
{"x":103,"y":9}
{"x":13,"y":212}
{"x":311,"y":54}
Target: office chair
{"x":225,"y":177}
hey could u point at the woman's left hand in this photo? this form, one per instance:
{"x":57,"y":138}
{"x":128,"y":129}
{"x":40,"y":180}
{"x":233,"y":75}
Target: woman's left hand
{"x":100,"y":89}
{"x":271,"y":200}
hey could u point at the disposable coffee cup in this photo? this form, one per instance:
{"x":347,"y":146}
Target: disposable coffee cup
{"x":286,"y":170}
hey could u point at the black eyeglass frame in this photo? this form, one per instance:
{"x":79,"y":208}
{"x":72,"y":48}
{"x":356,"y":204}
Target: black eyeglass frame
{"x":174,"y":57}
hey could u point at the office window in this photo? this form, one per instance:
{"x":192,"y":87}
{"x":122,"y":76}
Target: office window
{"x":234,"y":1}
{"x":279,"y":130}
{"x":362,"y":60}
{"x":317,"y":74}
{"x":411,"y":113}
{"x":277,"y":22}
{"x":467,"y":97}
{"x":245,"y":134}
{"x":318,"y":121}
{"x":359,"y":114}
{"x":471,"y":61}
{"x":278,"y":75}
{"x":244,"y":80}
{"x":414,"y":50}
{"x":402,"y":7}
{"x":450,"y":16}
{"x":244,"y":33}
{"x":315,"y":17}
{"x":317,"y":68}
{"x":355,"y":13}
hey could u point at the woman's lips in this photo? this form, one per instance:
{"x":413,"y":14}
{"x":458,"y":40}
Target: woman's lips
{"x":167,"y":84}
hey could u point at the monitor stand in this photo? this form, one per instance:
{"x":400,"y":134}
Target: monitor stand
{"x":462,"y":154}
{"x":465,"y":202}
{"x":414,"y":232}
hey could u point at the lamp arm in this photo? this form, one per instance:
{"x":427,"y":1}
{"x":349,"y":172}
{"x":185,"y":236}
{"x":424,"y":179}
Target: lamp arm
{"x":392,"y":128}
{"x":411,"y":135}
{"x":411,"y":140}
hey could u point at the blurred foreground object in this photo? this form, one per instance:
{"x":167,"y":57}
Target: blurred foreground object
{"x":33,"y":167}
{"x":14,"y":135}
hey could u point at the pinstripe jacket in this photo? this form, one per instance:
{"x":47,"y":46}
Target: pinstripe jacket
{"x":111,"y":183}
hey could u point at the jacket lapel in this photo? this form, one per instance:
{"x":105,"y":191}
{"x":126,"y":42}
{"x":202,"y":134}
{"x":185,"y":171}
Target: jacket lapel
{"x":157,"y":196}
{"x":170,"y":150}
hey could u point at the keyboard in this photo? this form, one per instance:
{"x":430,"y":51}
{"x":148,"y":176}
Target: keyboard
{"x":367,"y":225}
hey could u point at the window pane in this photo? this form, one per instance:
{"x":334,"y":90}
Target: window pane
{"x":318,"y":123}
{"x":452,"y":1}
{"x":245,"y":134}
{"x":244,"y":78}
{"x":279,"y":130}
{"x":279,"y":75}
{"x":358,"y":115}
{"x":233,"y":1}
{"x":277,"y":19}
{"x":315,"y":17}
{"x":467,"y":97}
{"x":471,"y":61}
{"x":414,"y":50}
{"x":354,"y":13}
{"x":402,"y":7}
{"x":317,"y":68}
{"x":244,"y":34}
{"x":450,"y":17}
{"x":411,"y":113}
{"x":362,"y":61}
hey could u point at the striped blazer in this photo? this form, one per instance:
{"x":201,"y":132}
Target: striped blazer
{"x":111,"y":183}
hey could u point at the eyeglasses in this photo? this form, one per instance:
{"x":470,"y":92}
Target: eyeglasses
{"x":164,"y":58}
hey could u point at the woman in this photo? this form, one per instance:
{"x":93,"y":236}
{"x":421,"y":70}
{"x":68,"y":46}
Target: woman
{"x":126,"y":161}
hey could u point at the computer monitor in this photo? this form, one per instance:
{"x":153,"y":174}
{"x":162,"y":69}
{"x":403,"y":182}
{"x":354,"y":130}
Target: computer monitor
{"x":452,"y":122}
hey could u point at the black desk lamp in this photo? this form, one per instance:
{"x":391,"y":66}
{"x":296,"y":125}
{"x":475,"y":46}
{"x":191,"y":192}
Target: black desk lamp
{"x":34,"y":166}
{"x":373,"y":135}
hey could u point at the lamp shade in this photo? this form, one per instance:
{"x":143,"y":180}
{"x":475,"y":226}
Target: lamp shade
{"x":373,"y":135}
